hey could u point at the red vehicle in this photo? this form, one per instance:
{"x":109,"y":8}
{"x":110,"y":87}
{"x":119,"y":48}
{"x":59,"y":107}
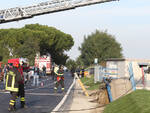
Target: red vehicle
{"x":12,"y":61}
{"x":17,"y":60}
{"x":24,"y":69}
{"x":44,"y":60}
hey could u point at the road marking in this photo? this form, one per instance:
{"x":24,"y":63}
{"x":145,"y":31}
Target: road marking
{"x":39,"y":94}
{"x":44,"y":94}
{"x":64,"y":98}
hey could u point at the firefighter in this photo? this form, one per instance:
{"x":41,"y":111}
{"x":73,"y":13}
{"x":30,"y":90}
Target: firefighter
{"x":12,"y":78}
{"x":21,"y":92}
{"x":44,"y":70}
{"x":56,"y":68}
{"x":60,"y":78}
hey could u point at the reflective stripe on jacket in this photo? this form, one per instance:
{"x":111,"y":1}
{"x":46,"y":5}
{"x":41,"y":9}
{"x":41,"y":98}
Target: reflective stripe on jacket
{"x":56,"y":69}
{"x":12,"y":79}
{"x":60,"y":72}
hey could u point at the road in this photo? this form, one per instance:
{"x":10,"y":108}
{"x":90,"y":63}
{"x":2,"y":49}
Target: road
{"x":40,"y":99}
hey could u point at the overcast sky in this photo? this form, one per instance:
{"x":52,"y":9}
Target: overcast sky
{"x":127,"y":20}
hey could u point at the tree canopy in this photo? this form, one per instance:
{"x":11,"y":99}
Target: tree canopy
{"x":71,"y":65}
{"x":34,"y":38}
{"x":99,"y":45}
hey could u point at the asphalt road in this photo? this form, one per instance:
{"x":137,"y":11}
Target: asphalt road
{"x":41,"y":99}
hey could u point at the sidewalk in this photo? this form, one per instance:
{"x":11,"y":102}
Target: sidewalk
{"x":83,"y":104}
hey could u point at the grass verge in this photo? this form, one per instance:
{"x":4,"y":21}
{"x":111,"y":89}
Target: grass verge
{"x":89,"y":81}
{"x":135,"y":102}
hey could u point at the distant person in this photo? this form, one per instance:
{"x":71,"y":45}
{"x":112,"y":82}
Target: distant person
{"x":82,"y":72}
{"x":44,"y":70}
{"x":1,"y":72}
{"x":5,"y":73}
{"x":72,"y":71}
{"x":52,"y":72}
{"x":148,"y":70}
{"x":36,"y":76}
{"x":78,"y":71}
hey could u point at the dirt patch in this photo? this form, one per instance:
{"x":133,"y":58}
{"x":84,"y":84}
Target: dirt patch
{"x":83,"y":104}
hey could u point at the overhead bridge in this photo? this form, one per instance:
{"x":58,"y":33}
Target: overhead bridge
{"x":19,"y":13}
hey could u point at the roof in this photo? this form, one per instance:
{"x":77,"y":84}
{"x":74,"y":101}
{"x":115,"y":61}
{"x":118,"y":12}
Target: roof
{"x":115,"y":59}
{"x":128,"y":59}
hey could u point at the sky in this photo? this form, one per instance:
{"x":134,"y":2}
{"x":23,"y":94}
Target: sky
{"x":127,"y":20}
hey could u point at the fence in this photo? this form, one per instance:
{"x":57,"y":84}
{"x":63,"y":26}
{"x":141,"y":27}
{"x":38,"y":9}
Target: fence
{"x":100,"y":72}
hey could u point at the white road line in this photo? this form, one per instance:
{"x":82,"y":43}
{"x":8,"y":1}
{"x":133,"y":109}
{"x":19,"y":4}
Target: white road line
{"x":38,"y":94}
{"x":64,"y":98}
{"x":44,"y":94}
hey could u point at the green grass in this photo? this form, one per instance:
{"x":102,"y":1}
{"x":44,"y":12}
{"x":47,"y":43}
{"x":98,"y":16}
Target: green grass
{"x":90,"y":82}
{"x":135,"y":102}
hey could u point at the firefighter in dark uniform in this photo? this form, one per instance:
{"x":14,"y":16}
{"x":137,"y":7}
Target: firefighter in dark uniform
{"x":12,"y":79}
{"x":21,"y":92}
{"x":60,"y":78}
{"x":82,"y":72}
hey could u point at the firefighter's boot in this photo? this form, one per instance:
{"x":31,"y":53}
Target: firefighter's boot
{"x":11,"y":106}
{"x":62,"y":89}
{"x":23,"y":105}
{"x":55,"y":89}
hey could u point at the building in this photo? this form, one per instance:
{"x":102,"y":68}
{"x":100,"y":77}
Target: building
{"x":119,"y":68}
{"x":122,"y":69}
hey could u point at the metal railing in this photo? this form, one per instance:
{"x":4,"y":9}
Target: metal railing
{"x":100,"y":72}
{"x":19,"y":13}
